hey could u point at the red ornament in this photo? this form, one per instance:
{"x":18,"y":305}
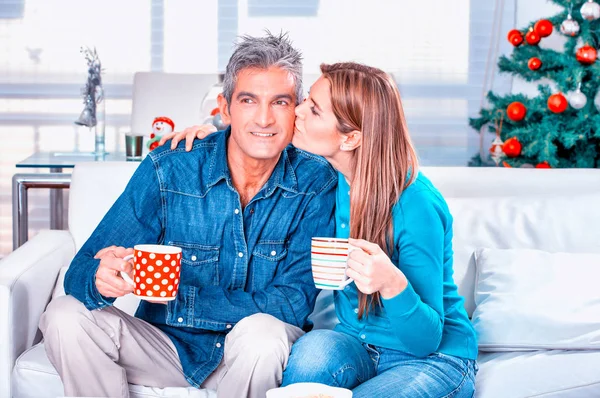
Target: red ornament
{"x":532,"y":38}
{"x":543,"y":27}
{"x":515,"y":37}
{"x":534,"y":63}
{"x":557,"y":103}
{"x":587,"y":55}
{"x":543,"y":165}
{"x":516,"y":111}
{"x":512,"y":147}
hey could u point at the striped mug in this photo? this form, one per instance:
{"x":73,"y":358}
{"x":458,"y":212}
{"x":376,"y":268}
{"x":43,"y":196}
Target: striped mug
{"x":329,"y":259}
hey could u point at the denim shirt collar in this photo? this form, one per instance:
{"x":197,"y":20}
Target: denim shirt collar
{"x":283,"y":175}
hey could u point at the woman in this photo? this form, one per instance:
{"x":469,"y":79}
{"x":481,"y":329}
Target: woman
{"x":403,"y":329}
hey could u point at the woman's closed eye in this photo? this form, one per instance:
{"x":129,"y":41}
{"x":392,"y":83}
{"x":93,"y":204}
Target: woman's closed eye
{"x":314,"y":112}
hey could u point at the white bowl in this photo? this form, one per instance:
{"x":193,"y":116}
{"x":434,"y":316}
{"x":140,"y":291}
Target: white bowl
{"x":308,"y":390}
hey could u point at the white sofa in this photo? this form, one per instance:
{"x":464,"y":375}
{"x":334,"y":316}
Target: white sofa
{"x":492,"y":207}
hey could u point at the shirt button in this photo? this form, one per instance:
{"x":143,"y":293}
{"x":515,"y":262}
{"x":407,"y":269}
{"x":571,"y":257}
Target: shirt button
{"x":343,"y":225}
{"x":240,"y":254}
{"x":236,"y":211}
{"x":362,"y":336}
{"x":180,"y":319}
{"x":218,"y":345}
{"x":228,"y":326}
{"x":356,"y":310}
{"x":348,"y":192}
{"x":100,"y":303}
{"x":273,"y":253}
{"x":194,"y":258}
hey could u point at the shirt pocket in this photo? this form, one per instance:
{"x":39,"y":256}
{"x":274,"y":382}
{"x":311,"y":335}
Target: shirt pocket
{"x":266,"y":257}
{"x":199,"y":264}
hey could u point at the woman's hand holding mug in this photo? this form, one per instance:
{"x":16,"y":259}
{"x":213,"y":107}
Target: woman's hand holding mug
{"x":373,"y":271}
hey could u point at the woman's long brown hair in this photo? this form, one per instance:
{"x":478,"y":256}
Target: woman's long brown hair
{"x":367,"y":99}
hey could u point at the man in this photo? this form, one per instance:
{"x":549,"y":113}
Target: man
{"x":243,"y":206}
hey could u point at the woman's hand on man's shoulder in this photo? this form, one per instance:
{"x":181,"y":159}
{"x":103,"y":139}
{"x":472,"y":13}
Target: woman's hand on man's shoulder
{"x":189,"y":134}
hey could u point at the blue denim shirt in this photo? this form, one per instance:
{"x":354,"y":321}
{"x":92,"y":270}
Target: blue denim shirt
{"x":234,"y":263}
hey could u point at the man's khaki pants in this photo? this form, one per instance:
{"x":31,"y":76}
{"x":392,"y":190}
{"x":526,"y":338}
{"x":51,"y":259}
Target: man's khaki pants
{"x":96,"y":353}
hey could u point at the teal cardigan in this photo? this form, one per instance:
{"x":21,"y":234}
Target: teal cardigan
{"x":429,"y":315}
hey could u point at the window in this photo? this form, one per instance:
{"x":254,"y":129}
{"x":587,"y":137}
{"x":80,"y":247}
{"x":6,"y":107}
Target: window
{"x":41,"y":75}
{"x":436,"y":50}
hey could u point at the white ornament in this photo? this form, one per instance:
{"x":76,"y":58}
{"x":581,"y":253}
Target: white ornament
{"x":590,"y":10}
{"x":496,"y":150}
{"x":577,"y":99}
{"x":569,"y":26}
{"x":597,"y":100}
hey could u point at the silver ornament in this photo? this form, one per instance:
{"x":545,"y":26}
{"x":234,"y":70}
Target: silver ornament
{"x":590,"y":10}
{"x":597,"y":100}
{"x":217,"y":121}
{"x":93,"y":93}
{"x":569,"y":26}
{"x":577,"y":99}
{"x":87,"y":117}
{"x":527,"y":166}
{"x":496,"y":150}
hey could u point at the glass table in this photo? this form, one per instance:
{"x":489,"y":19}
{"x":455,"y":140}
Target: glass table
{"x":60,"y":160}
{"x":56,"y":180}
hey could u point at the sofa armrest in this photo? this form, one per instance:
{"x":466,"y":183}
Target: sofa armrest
{"x":27,"y":278}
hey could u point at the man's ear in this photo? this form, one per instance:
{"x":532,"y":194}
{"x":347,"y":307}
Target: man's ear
{"x":224,"y":109}
{"x":351,"y":141}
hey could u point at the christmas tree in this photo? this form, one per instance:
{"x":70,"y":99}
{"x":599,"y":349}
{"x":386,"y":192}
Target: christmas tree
{"x":560,"y":127}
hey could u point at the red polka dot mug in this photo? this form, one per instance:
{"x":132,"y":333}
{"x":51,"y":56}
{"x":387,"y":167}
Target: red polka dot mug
{"x":156,"y":272}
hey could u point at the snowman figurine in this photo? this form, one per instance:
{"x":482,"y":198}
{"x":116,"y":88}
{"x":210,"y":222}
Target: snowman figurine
{"x":160,"y":126}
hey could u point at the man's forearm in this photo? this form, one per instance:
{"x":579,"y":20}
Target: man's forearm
{"x":80,"y":282}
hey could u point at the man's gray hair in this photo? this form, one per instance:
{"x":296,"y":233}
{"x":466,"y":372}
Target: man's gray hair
{"x":262,"y":53}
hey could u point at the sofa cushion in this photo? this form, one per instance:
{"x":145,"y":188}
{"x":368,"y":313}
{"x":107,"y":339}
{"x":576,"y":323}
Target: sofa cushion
{"x":548,"y":374}
{"x":485,"y":202}
{"x":95,"y":186}
{"x":532,"y":299}
{"x":35,"y":377}
{"x":550,"y":223}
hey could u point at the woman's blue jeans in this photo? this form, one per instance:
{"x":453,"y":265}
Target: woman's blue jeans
{"x":340,"y":360}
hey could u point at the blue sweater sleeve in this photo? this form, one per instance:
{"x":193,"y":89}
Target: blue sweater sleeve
{"x":416,"y":314}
